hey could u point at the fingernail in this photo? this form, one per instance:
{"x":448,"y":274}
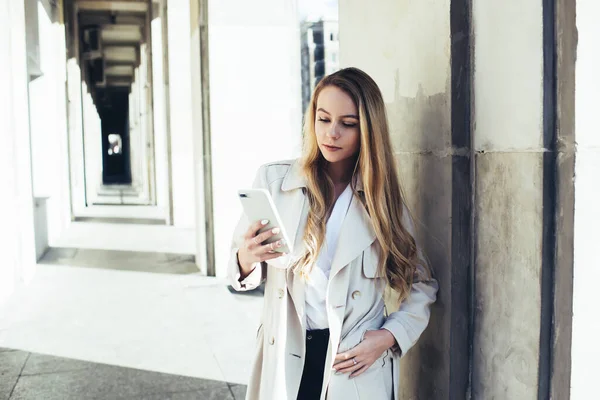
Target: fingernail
{"x":264,"y":222}
{"x":281,"y":242}
{"x":276,"y":231}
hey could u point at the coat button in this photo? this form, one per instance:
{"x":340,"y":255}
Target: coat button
{"x":280,"y":293}
{"x":356,"y":294}
{"x":272,"y":341}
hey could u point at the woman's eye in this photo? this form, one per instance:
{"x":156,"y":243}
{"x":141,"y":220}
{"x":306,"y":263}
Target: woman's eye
{"x":349,"y":125}
{"x":323,"y":120}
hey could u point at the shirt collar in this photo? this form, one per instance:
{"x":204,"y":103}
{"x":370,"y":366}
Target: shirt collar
{"x":295,"y":179}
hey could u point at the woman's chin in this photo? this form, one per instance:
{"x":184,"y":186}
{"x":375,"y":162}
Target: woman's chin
{"x":333,"y":158}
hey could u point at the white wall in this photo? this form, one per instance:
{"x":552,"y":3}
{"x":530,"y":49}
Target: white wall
{"x":48,"y":120}
{"x":17,"y":244}
{"x":160,"y":119}
{"x":182,"y":155}
{"x":254,"y":100}
{"x":586,"y":325}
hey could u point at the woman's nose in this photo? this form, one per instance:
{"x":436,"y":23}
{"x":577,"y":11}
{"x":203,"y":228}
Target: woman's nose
{"x":334,"y":131}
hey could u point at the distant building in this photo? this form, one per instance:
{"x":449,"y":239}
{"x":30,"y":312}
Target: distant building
{"x":320,"y":48}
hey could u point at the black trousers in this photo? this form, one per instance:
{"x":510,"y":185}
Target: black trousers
{"x":317,"y":342}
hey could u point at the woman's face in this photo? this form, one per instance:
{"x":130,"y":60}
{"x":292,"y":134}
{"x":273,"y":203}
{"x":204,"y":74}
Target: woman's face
{"x":336,"y":125}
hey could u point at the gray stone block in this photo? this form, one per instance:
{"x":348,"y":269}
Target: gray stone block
{"x":508,"y":245}
{"x":427,"y":184}
{"x":44,"y":364}
{"x":4,"y":349}
{"x":109,"y":382}
{"x":122,"y":260}
{"x":239,"y":391}
{"x":11,"y":364}
{"x":212,"y":393}
{"x":420,"y":123}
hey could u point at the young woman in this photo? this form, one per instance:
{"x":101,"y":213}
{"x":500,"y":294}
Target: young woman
{"x":324,"y":332}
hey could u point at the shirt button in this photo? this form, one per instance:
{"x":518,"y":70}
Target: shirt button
{"x":272,"y":341}
{"x":280,"y":293}
{"x":356,"y":294}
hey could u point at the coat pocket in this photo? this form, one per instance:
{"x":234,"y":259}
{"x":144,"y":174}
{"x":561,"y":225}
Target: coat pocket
{"x":376,"y":383}
{"x":370,"y":261}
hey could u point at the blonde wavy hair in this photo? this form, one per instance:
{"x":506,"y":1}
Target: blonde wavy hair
{"x":376,"y":166}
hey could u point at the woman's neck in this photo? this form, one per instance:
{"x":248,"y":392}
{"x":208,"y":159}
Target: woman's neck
{"x":341,"y":171}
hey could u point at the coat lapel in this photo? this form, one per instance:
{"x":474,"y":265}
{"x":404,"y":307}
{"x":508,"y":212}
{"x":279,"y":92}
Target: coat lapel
{"x":356,"y":234}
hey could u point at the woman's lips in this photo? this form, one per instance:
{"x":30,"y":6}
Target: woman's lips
{"x":331,"y":148}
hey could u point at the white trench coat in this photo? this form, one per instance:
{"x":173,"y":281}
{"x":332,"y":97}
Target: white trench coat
{"x":354,"y":300}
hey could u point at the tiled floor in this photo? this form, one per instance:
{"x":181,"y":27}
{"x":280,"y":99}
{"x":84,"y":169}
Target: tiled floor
{"x":120,"y":325}
{"x":35,"y":376}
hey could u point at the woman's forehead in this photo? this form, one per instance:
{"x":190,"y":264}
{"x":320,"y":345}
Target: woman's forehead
{"x":336,"y":102}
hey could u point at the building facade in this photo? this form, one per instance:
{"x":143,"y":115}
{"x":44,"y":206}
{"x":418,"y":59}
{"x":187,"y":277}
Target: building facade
{"x":492,"y":120}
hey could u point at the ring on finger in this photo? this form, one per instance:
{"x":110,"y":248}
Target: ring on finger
{"x":255,"y":241}
{"x":354,"y":360}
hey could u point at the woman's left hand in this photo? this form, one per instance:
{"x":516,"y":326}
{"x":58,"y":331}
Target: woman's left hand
{"x":358,"y":359}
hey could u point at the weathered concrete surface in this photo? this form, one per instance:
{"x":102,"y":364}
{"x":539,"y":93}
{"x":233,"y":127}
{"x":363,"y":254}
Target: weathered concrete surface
{"x":507,"y":277}
{"x":508,"y":74}
{"x":566,"y":37}
{"x":509,"y":198}
{"x":411,"y":65}
{"x":425,"y":368}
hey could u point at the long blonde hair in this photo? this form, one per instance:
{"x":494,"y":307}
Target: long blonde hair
{"x":376,"y":166}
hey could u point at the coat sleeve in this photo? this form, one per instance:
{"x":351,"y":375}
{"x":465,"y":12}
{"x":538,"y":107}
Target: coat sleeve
{"x":259,"y":272}
{"x":410,"y":320}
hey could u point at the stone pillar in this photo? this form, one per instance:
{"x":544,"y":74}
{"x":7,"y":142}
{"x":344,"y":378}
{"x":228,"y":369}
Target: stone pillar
{"x":509,"y":197}
{"x":407,"y":47}
{"x":523,"y":144}
{"x":480,"y":103}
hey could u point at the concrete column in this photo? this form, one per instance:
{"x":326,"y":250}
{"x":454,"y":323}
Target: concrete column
{"x":201,"y":127}
{"x":181,"y":113}
{"x":509,"y":195}
{"x":566,"y":50}
{"x":17,"y":242}
{"x":486,"y":159}
{"x":523,"y":144}
{"x":407,"y":48}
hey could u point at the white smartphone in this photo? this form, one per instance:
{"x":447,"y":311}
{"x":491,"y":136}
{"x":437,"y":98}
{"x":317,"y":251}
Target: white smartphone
{"x":258,"y":205}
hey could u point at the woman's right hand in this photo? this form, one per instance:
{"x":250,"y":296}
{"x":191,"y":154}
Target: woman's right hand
{"x":253,"y":250}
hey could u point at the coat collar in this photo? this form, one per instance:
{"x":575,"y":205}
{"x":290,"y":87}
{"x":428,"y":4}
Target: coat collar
{"x":295,"y":178}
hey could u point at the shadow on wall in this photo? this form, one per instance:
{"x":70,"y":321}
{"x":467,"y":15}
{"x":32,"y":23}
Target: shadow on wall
{"x":420,"y":129}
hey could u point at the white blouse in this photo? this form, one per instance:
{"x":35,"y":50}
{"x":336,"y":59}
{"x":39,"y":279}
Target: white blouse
{"x":318,"y":281}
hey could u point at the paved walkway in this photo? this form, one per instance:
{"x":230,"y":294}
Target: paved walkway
{"x":26,"y":375}
{"x":118,"y":325}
